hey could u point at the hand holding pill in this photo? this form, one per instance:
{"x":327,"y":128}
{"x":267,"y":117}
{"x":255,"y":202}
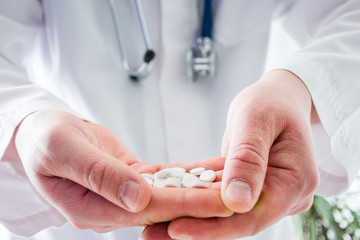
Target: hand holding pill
{"x":270,"y":169}
{"x":171,"y":202}
{"x":94,"y":180}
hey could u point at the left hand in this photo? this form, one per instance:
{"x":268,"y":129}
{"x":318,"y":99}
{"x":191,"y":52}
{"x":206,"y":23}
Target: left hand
{"x":80,"y":168}
{"x":270,"y":170}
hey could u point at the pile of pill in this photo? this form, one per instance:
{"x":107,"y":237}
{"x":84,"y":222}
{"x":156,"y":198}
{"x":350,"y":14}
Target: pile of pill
{"x":178,"y":177}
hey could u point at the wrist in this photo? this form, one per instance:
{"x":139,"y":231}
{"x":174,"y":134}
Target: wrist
{"x":293,"y":88}
{"x":11,"y":154}
{"x":301,"y":87}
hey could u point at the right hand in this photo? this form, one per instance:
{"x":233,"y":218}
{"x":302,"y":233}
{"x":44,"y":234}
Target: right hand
{"x":93,"y":179}
{"x":270,"y":162}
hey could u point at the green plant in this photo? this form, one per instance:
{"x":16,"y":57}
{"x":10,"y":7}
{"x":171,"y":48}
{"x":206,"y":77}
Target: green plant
{"x":332,"y":218}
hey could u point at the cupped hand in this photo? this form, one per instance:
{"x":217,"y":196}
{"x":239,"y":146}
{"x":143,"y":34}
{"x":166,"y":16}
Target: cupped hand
{"x":93,"y":179}
{"x":270,"y":170}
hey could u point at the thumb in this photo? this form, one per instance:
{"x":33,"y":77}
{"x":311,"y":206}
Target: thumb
{"x":248,"y":144}
{"x":110,"y":177}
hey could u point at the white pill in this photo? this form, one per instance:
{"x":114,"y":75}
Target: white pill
{"x":186,"y":174}
{"x":178,"y":169}
{"x":197,"y":171}
{"x":177,"y":174}
{"x":200,"y":184}
{"x":163,"y":174}
{"x":189,"y":180}
{"x":159,"y":183}
{"x":208,"y":176}
{"x":148,"y":175}
{"x":178,"y":177}
{"x":149,"y":181}
{"x":172,"y":182}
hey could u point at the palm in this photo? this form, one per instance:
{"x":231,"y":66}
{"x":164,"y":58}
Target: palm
{"x":80,"y":167}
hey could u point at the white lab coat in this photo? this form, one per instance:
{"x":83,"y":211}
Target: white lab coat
{"x":64,"y":55}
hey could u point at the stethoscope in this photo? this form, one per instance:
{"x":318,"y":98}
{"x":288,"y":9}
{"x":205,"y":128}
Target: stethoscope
{"x":201,"y":58}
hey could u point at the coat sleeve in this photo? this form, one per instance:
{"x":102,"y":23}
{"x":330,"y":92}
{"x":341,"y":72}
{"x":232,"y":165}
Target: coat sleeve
{"x":19,"y":24}
{"x":22,"y":210}
{"x":328,"y":62}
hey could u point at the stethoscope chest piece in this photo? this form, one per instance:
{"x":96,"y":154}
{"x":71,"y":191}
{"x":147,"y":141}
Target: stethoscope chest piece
{"x":201,"y":59}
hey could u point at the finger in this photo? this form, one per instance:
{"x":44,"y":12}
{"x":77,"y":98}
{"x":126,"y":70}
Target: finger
{"x":251,"y":135}
{"x":106,"y":175}
{"x":88,"y":210}
{"x":156,"y":231}
{"x":275,"y":202}
{"x":200,"y":203}
{"x":104,"y":229}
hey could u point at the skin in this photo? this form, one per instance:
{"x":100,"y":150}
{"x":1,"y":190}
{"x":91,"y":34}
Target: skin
{"x":80,"y":167}
{"x":268,"y":149}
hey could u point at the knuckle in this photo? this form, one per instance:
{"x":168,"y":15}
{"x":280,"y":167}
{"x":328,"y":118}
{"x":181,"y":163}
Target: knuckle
{"x":308,"y":179}
{"x":312,"y":186}
{"x":294,"y":179}
{"x":254,"y":229}
{"x":56,"y":147}
{"x":56,"y":138}
{"x":303,"y":206}
{"x":313,"y":182}
{"x":79,"y":225}
{"x":51,"y":151}
{"x":78,"y":222}
{"x":186,"y":199}
{"x":307,"y":205}
{"x":250,"y":154}
{"x":257,"y":144}
{"x":96,"y":176}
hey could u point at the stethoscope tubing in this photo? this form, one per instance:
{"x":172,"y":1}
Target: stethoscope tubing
{"x":206,"y":29}
{"x":143,"y":26}
{"x":201,"y":60}
{"x":144,"y":69}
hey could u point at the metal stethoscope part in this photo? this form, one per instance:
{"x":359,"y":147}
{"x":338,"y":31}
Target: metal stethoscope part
{"x":144,"y":69}
{"x":201,"y":59}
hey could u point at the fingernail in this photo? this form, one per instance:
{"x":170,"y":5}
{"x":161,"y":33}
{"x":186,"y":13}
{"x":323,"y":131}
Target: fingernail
{"x":129,"y":193}
{"x":238,"y":191}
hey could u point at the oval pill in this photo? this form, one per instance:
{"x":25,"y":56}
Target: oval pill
{"x":162,"y":174}
{"x":208,"y":176}
{"x":159,"y":183}
{"x":189,"y":180}
{"x":200,"y":184}
{"x":178,"y":177}
{"x":173,"y":182}
{"x":177,"y":174}
{"x":148,"y":175}
{"x":178,"y":169}
{"x":197,"y":171}
{"x":149,"y":181}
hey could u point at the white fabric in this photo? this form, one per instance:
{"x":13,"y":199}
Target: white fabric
{"x":328,"y":65}
{"x":63,"y":55}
